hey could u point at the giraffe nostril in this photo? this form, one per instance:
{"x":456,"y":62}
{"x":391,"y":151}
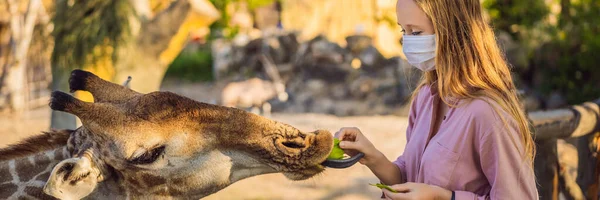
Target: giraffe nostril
{"x":294,"y":144}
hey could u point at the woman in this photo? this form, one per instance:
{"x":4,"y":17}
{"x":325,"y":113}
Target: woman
{"x":467,"y":137}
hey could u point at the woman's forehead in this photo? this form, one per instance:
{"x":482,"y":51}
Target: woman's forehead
{"x":409,"y":14}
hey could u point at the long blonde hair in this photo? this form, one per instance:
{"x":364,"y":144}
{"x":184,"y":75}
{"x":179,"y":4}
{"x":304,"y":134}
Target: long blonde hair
{"x":469,"y":63}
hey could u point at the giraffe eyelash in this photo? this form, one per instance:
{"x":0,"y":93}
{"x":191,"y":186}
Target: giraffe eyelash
{"x":79,"y":178}
{"x":148,"y":157}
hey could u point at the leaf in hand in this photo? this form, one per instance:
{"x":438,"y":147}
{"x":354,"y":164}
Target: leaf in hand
{"x":383,"y":186}
{"x":337,"y":152}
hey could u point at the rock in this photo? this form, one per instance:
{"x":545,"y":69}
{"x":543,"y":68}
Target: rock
{"x":360,"y":88}
{"x":322,"y":59}
{"x":358,"y":43}
{"x":221,"y":51}
{"x":321,"y":48}
{"x":318,"y":74}
{"x":316,"y":87}
{"x":393,"y":96}
{"x":371,"y":59}
{"x":361,"y":47}
{"x":339,"y":92}
{"x":290,"y":45}
{"x":332,"y":73}
{"x":276,"y":50}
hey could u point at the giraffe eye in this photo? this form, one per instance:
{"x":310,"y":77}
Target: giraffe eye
{"x":148,"y":157}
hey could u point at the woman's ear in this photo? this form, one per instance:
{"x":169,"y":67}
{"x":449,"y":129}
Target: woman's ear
{"x":73,"y":178}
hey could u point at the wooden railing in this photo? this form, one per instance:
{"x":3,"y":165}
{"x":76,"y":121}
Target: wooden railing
{"x":579,"y":123}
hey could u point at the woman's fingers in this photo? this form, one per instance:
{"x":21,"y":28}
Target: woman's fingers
{"x":350,"y":140}
{"x":349,"y":134}
{"x":406,"y":187}
{"x":350,"y":145}
{"x":396,"y":196}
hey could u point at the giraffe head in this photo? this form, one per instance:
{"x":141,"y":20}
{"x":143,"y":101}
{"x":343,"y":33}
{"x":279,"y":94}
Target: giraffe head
{"x":162,"y":144}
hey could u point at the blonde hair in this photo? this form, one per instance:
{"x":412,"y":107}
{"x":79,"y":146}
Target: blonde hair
{"x":469,"y":63}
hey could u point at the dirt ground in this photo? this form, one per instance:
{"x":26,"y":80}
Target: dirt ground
{"x":386,"y":132}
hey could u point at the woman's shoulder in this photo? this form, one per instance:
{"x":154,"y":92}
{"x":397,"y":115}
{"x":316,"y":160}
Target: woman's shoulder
{"x":423,"y":92}
{"x":421,"y":95}
{"x":487,"y":113}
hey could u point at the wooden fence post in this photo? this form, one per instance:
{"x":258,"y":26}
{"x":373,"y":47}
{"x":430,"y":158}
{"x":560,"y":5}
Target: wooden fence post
{"x":546,"y":162}
{"x":587,"y":166}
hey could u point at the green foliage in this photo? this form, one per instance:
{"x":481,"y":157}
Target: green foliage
{"x":506,"y":13}
{"x":253,"y":4}
{"x":383,"y":186}
{"x":221,"y":5}
{"x":221,"y":27}
{"x":564,"y":50}
{"x":191,"y":66}
{"x":337,"y":152}
{"x":82,"y":28}
{"x":577,"y":45}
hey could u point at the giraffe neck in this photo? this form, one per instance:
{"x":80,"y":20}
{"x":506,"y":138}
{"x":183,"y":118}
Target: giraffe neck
{"x":26,"y":176}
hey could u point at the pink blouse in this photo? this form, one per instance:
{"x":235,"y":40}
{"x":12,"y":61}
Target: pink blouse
{"x":472,"y":154}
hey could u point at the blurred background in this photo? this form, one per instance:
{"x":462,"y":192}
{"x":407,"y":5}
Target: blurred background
{"x":310,"y":63}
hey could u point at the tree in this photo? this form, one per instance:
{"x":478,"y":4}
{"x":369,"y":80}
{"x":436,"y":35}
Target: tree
{"x":117,"y":39}
{"x":561,"y":44}
{"x":21,"y":33}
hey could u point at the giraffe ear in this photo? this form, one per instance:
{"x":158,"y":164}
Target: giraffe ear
{"x":73,"y":178}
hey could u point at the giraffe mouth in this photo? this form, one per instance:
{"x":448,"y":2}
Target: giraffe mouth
{"x":305,"y":173}
{"x":301,"y":155}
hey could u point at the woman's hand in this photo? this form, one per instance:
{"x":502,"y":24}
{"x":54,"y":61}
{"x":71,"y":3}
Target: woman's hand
{"x":353,"y":141}
{"x":413,"y":191}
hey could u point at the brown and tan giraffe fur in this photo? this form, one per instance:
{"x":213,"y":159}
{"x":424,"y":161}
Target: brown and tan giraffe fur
{"x":156,"y":145}
{"x":26,"y":166}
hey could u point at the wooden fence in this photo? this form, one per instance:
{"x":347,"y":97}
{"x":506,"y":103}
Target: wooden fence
{"x":579,"y":124}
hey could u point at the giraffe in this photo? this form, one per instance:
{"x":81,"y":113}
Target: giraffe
{"x":155,"y":145}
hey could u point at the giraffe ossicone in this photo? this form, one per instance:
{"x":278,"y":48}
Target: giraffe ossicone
{"x":155,"y":145}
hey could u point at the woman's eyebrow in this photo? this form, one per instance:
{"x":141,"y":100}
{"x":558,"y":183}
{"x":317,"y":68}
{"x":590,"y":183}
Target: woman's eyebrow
{"x":412,"y":26}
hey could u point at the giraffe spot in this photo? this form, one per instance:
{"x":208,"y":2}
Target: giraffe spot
{"x":37,"y":192}
{"x":44,"y":177}
{"x":41,"y":158}
{"x":176,"y":192}
{"x":5,"y":175}
{"x":134,"y":182}
{"x":27,"y":171}
{"x":152,"y":180}
{"x":61,"y":154}
{"x":105,"y":152}
{"x":178,"y":181}
{"x":163,"y":191}
{"x":7,"y":189}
